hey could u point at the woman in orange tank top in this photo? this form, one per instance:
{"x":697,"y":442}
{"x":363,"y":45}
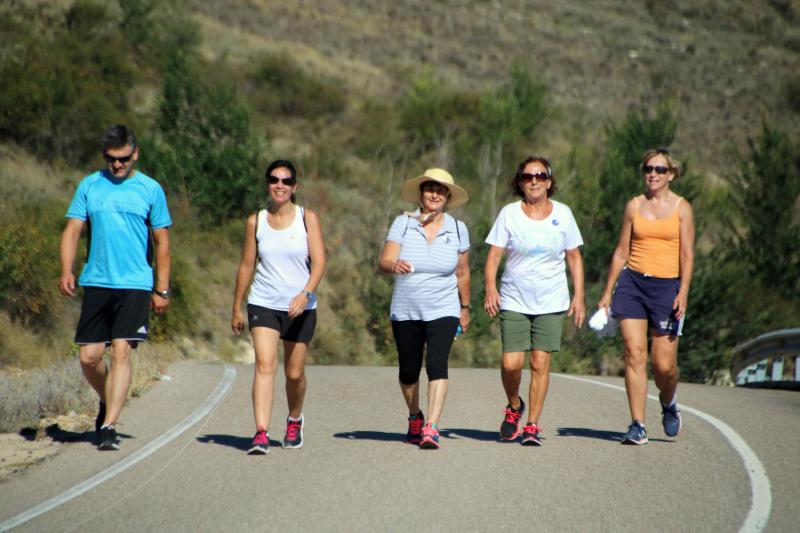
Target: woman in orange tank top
{"x":649,"y":278}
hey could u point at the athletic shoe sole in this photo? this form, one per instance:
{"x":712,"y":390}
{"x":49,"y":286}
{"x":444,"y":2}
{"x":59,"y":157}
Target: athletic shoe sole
{"x":634,"y":442}
{"x":429,"y":444}
{"x":258,"y":449}
{"x":531,"y":441}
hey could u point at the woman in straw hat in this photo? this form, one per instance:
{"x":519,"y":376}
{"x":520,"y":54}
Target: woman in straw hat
{"x":537,"y":233}
{"x":428,"y":252}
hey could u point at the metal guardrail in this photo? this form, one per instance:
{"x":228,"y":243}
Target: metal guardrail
{"x":761,"y":362}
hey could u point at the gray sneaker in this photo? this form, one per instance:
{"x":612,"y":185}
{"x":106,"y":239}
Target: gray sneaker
{"x":671,"y":419}
{"x":636,"y":434}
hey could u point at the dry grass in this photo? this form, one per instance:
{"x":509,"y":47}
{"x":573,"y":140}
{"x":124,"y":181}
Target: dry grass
{"x":28,"y":396}
{"x":725,"y":63}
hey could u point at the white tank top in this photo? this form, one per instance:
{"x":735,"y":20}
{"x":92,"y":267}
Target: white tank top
{"x":282,"y":271}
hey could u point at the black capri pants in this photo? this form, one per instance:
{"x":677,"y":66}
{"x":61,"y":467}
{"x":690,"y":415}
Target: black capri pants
{"x":411,"y":336}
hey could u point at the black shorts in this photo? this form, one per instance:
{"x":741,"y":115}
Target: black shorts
{"x":645,"y":297}
{"x":298,"y":329}
{"x":110,"y":314}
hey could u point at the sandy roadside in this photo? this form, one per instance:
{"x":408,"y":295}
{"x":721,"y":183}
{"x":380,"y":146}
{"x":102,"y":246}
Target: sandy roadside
{"x":20,"y":451}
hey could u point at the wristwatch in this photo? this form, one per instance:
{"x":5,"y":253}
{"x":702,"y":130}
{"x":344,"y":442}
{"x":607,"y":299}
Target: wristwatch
{"x":468,"y":306}
{"x":164,"y":294}
{"x":308,"y":294}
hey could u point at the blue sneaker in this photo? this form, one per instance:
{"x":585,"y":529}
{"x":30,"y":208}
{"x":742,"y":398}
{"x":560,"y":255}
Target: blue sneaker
{"x":671,"y":418}
{"x":636,"y":434}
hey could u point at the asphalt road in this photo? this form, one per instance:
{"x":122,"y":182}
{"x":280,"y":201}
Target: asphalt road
{"x":183,"y":466}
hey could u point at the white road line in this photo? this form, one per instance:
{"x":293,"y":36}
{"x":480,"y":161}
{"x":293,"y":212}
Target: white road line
{"x":211,"y":402}
{"x":758,"y":515}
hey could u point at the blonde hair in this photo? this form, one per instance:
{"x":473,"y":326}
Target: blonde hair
{"x":674,"y":165}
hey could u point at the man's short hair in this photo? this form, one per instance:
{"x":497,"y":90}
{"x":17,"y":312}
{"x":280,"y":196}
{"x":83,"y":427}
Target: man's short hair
{"x":117,"y":136}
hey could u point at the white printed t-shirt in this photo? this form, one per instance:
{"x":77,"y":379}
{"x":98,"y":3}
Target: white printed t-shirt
{"x":534,"y":281}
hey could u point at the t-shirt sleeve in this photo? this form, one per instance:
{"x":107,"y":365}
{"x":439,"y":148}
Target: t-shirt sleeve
{"x":572,"y":235}
{"x":397,"y":229}
{"x":159,"y":212}
{"x":464,"y":233}
{"x":77,"y":207}
{"x":498,"y":235}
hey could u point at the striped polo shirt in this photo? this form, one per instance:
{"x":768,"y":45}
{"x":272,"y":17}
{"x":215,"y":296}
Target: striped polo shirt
{"x":431,"y":291}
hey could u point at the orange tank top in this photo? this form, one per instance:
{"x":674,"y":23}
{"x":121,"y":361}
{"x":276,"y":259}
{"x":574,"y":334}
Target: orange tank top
{"x":655,"y":245}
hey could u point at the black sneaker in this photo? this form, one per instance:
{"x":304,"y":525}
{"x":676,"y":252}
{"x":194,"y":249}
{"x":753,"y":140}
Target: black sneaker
{"x":101,"y":416}
{"x":108,"y":438}
{"x":509,"y":429}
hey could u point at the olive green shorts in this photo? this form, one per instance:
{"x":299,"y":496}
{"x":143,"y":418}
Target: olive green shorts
{"x":521,"y":332}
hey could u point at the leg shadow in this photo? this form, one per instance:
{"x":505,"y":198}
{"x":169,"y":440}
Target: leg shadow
{"x":473,"y":434}
{"x":371,"y":435}
{"x":234,"y":441}
{"x":590,"y":433}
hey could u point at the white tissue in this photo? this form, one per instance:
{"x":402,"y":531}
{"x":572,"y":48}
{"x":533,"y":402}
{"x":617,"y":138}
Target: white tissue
{"x":602,"y":324}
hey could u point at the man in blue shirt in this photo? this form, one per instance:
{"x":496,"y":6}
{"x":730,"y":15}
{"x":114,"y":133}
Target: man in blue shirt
{"x":119,"y":205}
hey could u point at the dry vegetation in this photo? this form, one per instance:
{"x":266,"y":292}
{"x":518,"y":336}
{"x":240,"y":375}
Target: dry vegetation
{"x":727,"y":63}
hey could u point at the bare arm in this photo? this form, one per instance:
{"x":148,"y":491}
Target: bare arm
{"x":316,"y":251}
{"x":163,"y":268}
{"x":686,"y":258}
{"x":492,"y":300}
{"x":577,"y":306}
{"x":621,"y":253}
{"x":389,"y":262}
{"x":68,"y":249}
{"x":244,"y":275}
{"x":463,"y":282}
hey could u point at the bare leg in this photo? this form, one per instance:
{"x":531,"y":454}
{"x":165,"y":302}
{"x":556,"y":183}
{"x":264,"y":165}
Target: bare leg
{"x":634,"y":335}
{"x":94,"y":367}
{"x":118,"y":380}
{"x":665,"y":366}
{"x":511,"y":374}
{"x":437,"y":392}
{"x":294,"y":366}
{"x":266,"y":346}
{"x":540,"y":382}
{"x":411,"y":396}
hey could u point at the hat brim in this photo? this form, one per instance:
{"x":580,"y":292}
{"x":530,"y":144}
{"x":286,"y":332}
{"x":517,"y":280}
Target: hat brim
{"x":409,"y":191}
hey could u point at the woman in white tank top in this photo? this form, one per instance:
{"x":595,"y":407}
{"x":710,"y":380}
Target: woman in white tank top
{"x":283,"y":250}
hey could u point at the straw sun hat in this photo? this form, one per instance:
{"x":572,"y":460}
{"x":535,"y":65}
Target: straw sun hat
{"x":409,"y":191}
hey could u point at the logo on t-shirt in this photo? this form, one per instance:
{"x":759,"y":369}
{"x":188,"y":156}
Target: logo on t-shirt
{"x":555,"y":222}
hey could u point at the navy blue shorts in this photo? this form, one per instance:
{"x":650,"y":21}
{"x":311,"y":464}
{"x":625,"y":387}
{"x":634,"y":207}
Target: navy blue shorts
{"x":648,"y":298}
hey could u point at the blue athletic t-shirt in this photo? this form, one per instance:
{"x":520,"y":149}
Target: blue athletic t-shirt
{"x":118,"y":211}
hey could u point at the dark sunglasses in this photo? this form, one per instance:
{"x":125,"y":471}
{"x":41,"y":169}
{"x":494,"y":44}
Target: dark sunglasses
{"x":110,"y":159}
{"x":541,"y":177}
{"x":274,"y":180}
{"x":647,"y":169}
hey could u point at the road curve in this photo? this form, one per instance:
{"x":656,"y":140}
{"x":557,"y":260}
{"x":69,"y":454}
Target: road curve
{"x":354,"y":473}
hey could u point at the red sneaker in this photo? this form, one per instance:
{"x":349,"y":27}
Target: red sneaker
{"x":415,"y":424}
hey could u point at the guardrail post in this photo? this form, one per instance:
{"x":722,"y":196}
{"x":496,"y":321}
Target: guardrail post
{"x":777,"y":369}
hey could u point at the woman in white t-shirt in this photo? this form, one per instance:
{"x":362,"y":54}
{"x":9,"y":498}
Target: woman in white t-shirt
{"x":537,"y":234}
{"x":283,"y":247}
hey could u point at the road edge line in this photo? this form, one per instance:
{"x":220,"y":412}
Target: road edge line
{"x":761,"y":493}
{"x":142,"y":453}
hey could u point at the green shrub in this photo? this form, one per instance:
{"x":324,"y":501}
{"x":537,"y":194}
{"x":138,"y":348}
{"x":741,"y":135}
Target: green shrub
{"x":279,"y":87}
{"x":66,"y":86}
{"x":29,"y":262}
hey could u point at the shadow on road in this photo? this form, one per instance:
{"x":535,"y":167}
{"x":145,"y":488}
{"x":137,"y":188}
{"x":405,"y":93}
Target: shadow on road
{"x":590,"y":433}
{"x":599,"y":434}
{"x":55,"y":432}
{"x":370,"y":435}
{"x":233,"y":441}
{"x":474,"y":434}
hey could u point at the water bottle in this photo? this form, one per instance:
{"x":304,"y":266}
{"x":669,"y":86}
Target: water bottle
{"x":458,"y":332}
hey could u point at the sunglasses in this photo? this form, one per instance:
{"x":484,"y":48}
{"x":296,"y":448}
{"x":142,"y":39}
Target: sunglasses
{"x":274,"y":180}
{"x":540,"y":177}
{"x":110,"y":159}
{"x":647,"y":169}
